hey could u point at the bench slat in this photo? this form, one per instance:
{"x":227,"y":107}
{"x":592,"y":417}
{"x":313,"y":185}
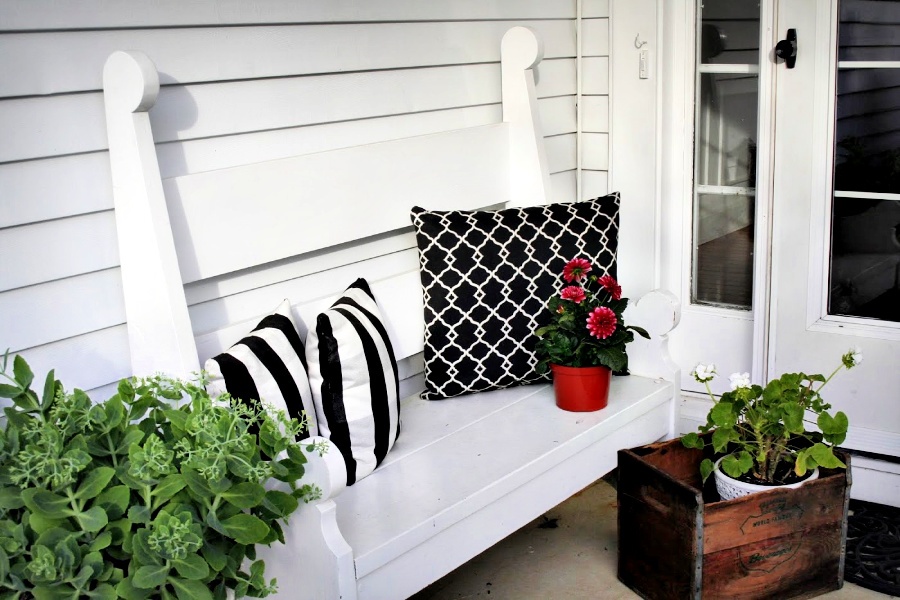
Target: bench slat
{"x":455,"y":457}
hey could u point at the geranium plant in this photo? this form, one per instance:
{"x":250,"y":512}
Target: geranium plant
{"x":156,"y":493}
{"x":762,"y":431}
{"x":587,"y":328}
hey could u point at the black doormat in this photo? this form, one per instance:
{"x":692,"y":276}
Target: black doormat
{"x":873,"y":547}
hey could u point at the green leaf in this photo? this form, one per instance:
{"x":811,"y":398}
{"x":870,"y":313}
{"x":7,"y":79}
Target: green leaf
{"x":138,"y":513}
{"x":706,"y":469}
{"x":245,"y":495}
{"x":102,"y":541}
{"x":49,"y":390}
{"x":97,"y":479}
{"x":280,"y":503}
{"x":197,"y":483}
{"x":92,"y":520}
{"x":824,"y":457}
{"x":722,"y":436}
{"x":47,"y":504}
{"x":177,"y":418}
{"x":186,"y":589}
{"x":793,"y":417}
{"x":141,"y":549}
{"x":150,"y":576}
{"x":41,"y":524}
{"x":126,"y":590}
{"x":104,"y":591}
{"x":833,"y":425}
{"x":735,"y":466}
{"x":640,"y":331}
{"x":9,"y":391}
{"x":192,"y":566}
{"x":22,"y":372}
{"x":168,"y":487}
{"x":245,"y":529}
{"x":114,"y":500}
{"x":692,"y":440}
{"x":722,"y":414}
{"x":11,"y":498}
{"x":213,"y":555}
{"x":115,"y":413}
{"x":63,"y":592}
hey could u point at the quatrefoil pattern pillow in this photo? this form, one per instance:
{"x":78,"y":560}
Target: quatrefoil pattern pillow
{"x":487,"y":277}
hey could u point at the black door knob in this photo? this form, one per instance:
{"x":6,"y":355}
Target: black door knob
{"x":786,"y":49}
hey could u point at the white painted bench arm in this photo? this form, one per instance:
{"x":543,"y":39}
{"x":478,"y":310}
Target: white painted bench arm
{"x":659,"y":312}
{"x":326,"y":471}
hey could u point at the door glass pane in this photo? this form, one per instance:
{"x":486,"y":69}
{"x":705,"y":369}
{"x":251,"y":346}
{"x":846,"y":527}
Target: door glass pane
{"x":864,"y":273}
{"x":725,"y":152}
{"x":865,"y":258}
{"x":729,"y":32}
{"x":868,"y":30}
{"x":867,"y":133}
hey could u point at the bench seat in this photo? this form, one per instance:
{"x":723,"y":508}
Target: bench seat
{"x":463,"y":471}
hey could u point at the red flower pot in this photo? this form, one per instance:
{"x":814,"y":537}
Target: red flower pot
{"x":581,"y":389}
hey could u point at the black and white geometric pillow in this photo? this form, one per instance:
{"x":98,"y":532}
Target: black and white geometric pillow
{"x":353,"y":376}
{"x":487,"y":277}
{"x":268,"y":364}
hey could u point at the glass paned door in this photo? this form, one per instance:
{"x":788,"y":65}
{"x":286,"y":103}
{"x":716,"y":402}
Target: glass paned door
{"x":725,"y":152}
{"x":864,"y":277}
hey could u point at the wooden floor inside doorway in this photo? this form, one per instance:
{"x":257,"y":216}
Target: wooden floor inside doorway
{"x":725,"y":269}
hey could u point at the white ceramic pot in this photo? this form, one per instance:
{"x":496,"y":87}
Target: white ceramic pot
{"x":730,"y":488}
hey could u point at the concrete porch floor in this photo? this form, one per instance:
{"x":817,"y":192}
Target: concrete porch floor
{"x":575,"y":560}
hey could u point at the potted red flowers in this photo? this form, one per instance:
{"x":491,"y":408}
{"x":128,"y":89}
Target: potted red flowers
{"x":586,"y":338}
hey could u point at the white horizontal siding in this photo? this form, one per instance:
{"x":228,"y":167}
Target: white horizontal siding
{"x":291,"y":79}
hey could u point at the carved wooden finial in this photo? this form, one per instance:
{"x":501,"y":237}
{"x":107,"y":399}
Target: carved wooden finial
{"x":130,"y":79}
{"x":521,"y":48}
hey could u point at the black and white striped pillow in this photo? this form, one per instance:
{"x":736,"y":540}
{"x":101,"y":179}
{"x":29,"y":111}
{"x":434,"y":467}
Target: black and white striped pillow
{"x":268,"y":364}
{"x":353,"y":376}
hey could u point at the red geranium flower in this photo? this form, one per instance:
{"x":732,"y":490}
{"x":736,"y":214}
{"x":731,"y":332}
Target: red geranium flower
{"x":612,"y":286}
{"x":602,"y":322}
{"x":576,"y":269}
{"x":573,"y":293}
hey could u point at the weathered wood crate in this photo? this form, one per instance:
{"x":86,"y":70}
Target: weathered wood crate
{"x":677,"y":540}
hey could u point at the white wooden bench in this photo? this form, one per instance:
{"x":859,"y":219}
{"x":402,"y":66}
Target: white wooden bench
{"x":465,"y":472}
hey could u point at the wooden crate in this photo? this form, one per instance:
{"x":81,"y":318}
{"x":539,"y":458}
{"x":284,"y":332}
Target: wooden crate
{"x":677,"y":540}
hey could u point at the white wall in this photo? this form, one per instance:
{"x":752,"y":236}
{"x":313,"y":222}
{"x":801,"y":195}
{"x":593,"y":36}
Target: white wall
{"x":331,"y":75}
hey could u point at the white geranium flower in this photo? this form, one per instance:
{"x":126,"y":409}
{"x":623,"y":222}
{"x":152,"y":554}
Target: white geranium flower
{"x":704,"y":373}
{"x":853,"y":357}
{"x":739,"y":380}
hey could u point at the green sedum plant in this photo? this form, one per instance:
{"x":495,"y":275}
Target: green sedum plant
{"x":762,"y":431}
{"x":159,"y":492}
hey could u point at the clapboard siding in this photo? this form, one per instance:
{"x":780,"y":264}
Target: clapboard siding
{"x":240,"y":85}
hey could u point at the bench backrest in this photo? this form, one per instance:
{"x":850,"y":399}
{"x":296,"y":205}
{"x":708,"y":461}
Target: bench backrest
{"x":204,"y":254}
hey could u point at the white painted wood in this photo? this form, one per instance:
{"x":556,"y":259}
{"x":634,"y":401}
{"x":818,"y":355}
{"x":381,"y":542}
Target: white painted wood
{"x":596,"y":114}
{"x":875,"y":481}
{"x":596,"y":75}
{"x":285,"y":192}
{"x":596,"y":37}
{"x":557,"y":115}
{"x":53,"y":250}
{"x":59,"y":14}
{"x":562,"y":186}
{"x":524,"y":422}
{"x":560,"y":153}
{"x":727,"y":68}
{"x":158,"y":326}
{"x":595,"y":8}
{"x":804,"y":337}
{"x":596,"y":183}
{"x":596,"y":152}
{"x":867,"y":195}
{"x":205,"y":110}
{"x":633,"y":147}
{"x":869,"y":64}
{"x":73,"y":61}
{"x":529,"y":177}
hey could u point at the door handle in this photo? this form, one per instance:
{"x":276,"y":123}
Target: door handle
{"x":786,"y":49}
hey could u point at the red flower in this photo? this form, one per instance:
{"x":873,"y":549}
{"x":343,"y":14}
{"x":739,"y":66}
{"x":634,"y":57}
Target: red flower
{"x":573,"y":293}
{"x":612,"y":286}
{"x":601,"y":322}
{"x":576,"y":269}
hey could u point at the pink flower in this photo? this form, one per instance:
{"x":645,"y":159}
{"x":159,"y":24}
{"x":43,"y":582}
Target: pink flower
{"x":601,"y":322}
{"x":576,"y":269}
{"x":573,"y":293}
{"x":612,"y":286}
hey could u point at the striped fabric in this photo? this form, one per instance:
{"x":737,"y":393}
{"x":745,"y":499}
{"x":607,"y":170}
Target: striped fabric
{"x":353,"y":376}
{"x":268,"y":364}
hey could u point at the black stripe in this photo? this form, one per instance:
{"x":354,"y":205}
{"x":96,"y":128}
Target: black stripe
{"x":362,"y":284}
{"x":283,"y":378}
{"x":377,"y":386}
{"x":284,"y":325}
{"x":239,"y":383}
{"x":379,"y":327}
{"x":333,"y":394}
